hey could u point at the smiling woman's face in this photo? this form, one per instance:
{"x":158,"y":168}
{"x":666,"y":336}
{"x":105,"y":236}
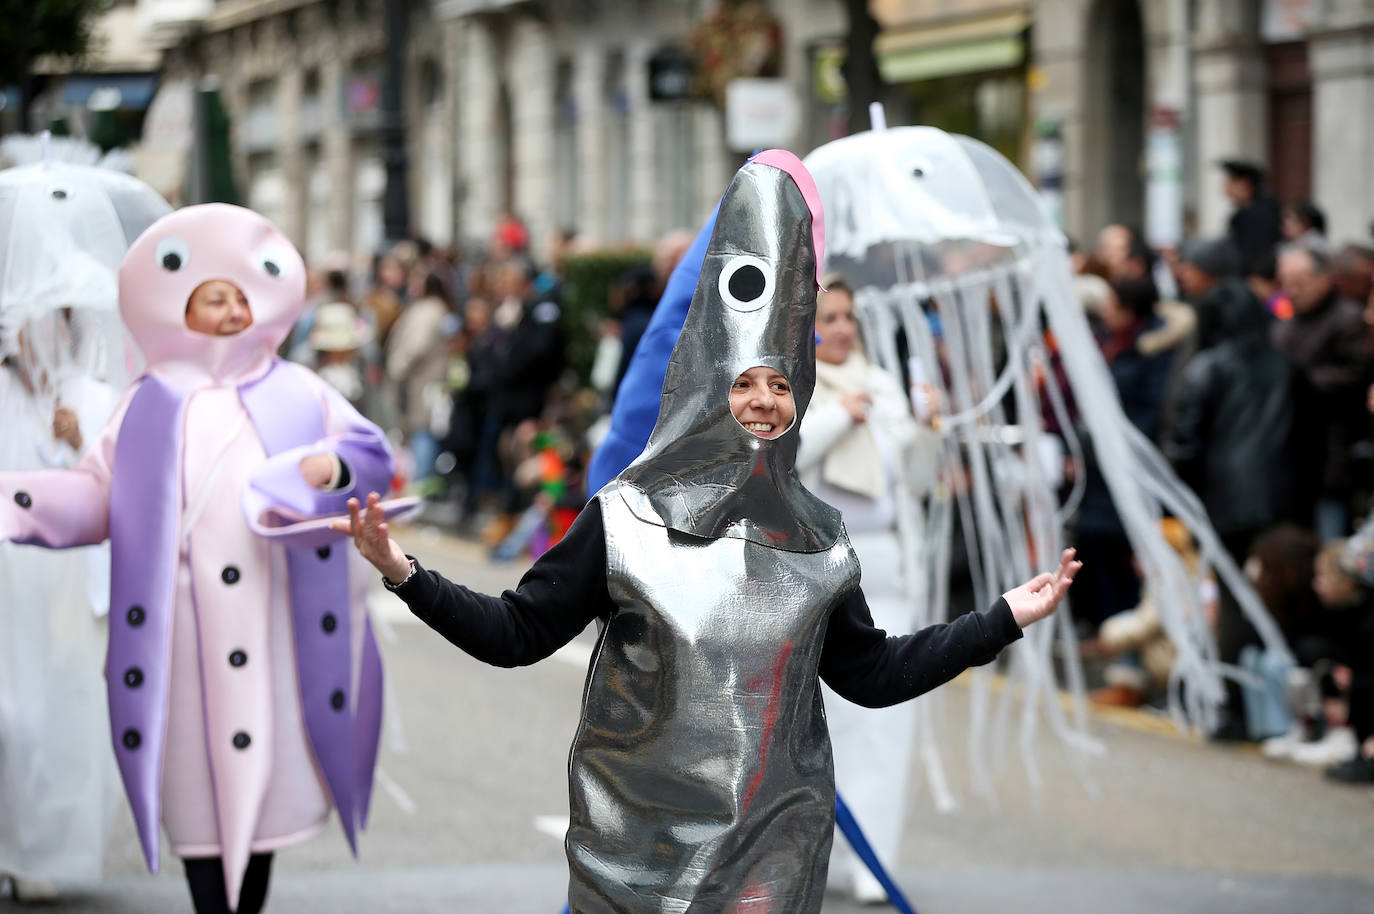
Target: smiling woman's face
{"x":218,"y":308}
{"x":761,"y":401}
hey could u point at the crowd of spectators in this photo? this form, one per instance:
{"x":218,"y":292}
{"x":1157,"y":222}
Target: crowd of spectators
{"x":1249,"y":359}
{"x":462,"y":354}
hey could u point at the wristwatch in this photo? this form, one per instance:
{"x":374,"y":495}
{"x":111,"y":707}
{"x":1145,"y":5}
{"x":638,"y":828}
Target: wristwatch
{"x":386,"y":582}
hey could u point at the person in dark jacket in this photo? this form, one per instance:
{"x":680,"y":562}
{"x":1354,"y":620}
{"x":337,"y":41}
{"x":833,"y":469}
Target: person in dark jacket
{"x":1110,"y":583}
{"x":532,"y":358}
{"x":1256,"y":226}
{"x":474,"y":426}
{"x":527,"y":366}
{"x":1231,"y":428}
{"x":1328,"y":342}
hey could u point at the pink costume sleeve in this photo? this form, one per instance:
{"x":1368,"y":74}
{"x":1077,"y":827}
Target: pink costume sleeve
{"x":281,"y":505}
{"x":62,"y":508}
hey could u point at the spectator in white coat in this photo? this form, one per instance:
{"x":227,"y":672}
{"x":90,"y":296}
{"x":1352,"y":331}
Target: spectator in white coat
{"x":862,"y":451}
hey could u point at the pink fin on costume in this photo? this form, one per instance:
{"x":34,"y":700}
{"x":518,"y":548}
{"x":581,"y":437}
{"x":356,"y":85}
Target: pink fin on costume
{"x":783,"y":160}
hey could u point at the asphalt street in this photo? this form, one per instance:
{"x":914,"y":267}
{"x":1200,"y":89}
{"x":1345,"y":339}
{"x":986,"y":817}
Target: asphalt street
{"x":472,"y":799}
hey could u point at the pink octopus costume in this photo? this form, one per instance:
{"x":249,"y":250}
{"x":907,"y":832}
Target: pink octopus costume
{"x":245,"y":685}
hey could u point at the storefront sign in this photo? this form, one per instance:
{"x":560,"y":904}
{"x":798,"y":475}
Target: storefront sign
{"x":760,"y":114}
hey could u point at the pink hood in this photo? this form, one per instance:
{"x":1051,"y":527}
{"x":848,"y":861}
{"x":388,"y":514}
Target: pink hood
{"x":192,"y":246}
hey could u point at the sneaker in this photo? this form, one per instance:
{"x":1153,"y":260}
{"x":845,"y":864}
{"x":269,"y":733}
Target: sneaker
{"x":1358,"y":770}
{"x":34,"y":891}
{"x":1338,"y":745}
{"x":1282,"y":747}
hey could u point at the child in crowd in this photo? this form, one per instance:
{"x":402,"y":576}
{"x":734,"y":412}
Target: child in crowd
{"x":1325,"y":642}
{"x":1354,"y":677}
{"x":337,"y":336}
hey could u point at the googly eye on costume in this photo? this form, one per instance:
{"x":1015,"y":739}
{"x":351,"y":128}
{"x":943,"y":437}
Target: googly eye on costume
{"x":746,"y":282}
{"x":173,"y":253}
{"x":274,"y":261}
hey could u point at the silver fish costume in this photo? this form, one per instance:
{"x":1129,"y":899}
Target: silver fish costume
{"x":700,"y":777}
{"x":701,"y":774}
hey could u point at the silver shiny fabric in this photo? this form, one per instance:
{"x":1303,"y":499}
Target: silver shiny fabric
{"x":700,"y":776}
{"x":702,"y":473}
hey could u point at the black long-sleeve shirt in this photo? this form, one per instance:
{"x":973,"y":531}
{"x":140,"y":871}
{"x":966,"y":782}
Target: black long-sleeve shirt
{"x":566,"y":589}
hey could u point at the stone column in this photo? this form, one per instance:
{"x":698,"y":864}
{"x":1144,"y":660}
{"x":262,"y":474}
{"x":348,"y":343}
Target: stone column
{"x":480,"y":168}
{"x":715,"y":164}
{"x":336,"y":153}
{"x":290,"y":157}
{"x":645,"y":166}
{"x":529,"y":76}
{"x":589,"y":77}
{"x":1342,"y":64}
{"x":1058,"y":53}
{"x":1231,"y":107}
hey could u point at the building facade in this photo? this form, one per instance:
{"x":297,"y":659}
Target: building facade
{"x":548,"y":109}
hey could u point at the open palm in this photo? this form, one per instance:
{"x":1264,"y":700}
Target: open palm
{"x":1040,"y":596}
{"x":370,"y":535}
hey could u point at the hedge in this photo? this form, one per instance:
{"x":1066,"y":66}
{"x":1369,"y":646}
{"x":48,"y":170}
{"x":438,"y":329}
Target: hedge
{"x":587,"y":282}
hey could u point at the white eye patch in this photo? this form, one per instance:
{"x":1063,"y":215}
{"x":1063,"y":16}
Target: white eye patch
{"x":173,"y":253}
{"x":274,"y":260}
{"x":746,"y":282}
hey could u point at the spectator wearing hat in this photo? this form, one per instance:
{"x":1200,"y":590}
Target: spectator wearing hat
{"x":1231,"y":427}
{"x":337,"y":335}
{"x":1255,"y":226}
{"x":1355,"y":677}
{"x":1327,"y":341}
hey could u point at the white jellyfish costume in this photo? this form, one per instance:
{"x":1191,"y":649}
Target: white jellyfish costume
{"x":920,"y":221}
{"x":64,"y":227}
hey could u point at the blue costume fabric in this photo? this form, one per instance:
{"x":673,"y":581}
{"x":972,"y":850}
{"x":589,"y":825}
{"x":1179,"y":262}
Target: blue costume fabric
{"x":636,"y":403}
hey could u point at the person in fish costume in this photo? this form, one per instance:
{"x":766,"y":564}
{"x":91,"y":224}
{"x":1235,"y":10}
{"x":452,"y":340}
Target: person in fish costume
{"x":700,"y":775}
{"x":244,"y":681}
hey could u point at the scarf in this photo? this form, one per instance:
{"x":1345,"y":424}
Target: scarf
{"x":853,"y":463}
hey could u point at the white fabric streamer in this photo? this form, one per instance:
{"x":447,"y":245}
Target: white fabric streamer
{"x":949,"y":248}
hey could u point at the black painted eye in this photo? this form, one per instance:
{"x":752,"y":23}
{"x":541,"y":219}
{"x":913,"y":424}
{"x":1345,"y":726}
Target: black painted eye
{"x":59,"y":194}
{"x":275,"y":259}
{"x":173,"y":253}
{"x":746,"y":282}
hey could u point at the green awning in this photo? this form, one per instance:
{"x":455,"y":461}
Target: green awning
{"x":964,"y":46}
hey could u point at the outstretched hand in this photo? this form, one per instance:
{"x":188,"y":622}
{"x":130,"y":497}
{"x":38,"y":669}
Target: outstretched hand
{"x":370,"y":535}
{"x":1040,"y":596}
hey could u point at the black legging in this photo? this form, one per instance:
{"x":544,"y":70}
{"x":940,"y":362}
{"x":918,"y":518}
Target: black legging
{"x":205,"y":876}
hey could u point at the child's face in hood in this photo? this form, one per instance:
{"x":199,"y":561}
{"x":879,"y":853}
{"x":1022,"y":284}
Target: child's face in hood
{"x":761,"y":401}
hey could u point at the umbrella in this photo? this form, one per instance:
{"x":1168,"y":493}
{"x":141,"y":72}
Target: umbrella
{"x":947,"y":245}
